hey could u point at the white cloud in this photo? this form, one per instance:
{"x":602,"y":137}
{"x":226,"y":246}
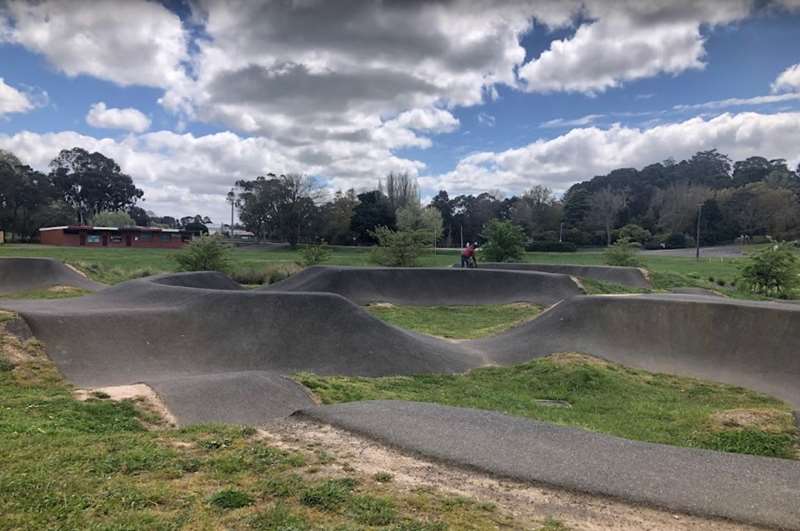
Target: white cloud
{"x":128,"y":119}
{"x":738,"y":102}
{"x":577,"y":122}
{"x":629,"y":40}
{"x":789,"y":80}
{"x":135,"y":42}
{"x":12,"y":100}
{"x":486,"y":119}
{"x":583,"y":153}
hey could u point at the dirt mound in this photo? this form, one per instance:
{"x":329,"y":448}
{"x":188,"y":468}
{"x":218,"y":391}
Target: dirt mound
{"x":29,"y":274}
{"x":632,"y":277}
{"x":431,"y":286}
{"x":752,"y":344}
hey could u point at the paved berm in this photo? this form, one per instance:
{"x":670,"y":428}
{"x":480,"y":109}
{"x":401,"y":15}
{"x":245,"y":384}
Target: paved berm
{"x":29,"y":274}
{"x":632,"y":277}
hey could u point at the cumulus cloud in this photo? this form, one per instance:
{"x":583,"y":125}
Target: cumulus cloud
{"x":12,"y":100}
{"x":135,"y":42}
{"x":788,"y":81}
{"x":583,"y":153}
{"x":128,"y":119}
{"x":629,"y":40}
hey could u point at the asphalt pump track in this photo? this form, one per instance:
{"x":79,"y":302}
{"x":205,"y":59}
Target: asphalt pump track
{"x":215,"y":351}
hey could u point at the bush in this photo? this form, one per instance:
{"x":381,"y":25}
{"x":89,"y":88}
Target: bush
{"x":773,"y":272}
{"x":622,"y":253}
{"x":505,"y":241}
{"x":110,"y":218}
{"x":551,"y":247}
{"x":399,"y":248}
{"x":635,"y":233}
{"x":314,"y":254}
{"x":207,"y":253}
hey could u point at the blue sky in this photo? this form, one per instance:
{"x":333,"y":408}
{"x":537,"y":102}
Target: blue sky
{"x":481,"y":98}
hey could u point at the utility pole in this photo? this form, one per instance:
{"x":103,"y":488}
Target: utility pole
{"x":232,"y":200}
{"x":561,"y":232}
{"x":462,"y":236}
{"x":697,"y":250}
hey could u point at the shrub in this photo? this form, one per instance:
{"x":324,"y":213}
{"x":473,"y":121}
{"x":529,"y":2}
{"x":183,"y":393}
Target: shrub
{"x":551,"y":247}
{"x":504,"y":241}
{"x":230,"y":499}
{"x":207,"y":253}
{"x":314,"y":254}
{"x":622,"y":253}
{"x":399,"y":248}
{"x":774,"y":271}
{"x":676,"y":240}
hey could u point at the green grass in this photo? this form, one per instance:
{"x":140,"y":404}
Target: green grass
{"x":101,"y":464}
{"x":57,"y":292}
{"x":604,"y":397}
{"x":456,"y":322}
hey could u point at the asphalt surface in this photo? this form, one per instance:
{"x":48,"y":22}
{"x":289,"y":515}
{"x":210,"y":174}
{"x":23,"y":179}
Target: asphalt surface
{"x":632,"y":277}
{"x":29,"y":274}
{"x":756,"y":490}
{"x":431,"y":286}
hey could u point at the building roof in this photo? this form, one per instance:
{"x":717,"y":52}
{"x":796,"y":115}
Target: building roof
{"x":111,"y":229}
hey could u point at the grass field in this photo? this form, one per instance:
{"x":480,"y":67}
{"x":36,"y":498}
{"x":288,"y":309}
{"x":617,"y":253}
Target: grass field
{"x":116,"y":265}
{"x":98,"y":464}
{"x":456,"y":322}
{"x":601,"y":397}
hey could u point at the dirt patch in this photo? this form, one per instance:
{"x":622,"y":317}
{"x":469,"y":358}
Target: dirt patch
{"x":529,"y":505}
{"x":65,"y":289}
{"x":381,"y":305}
{"x":768,"y":420}
{"x":576,"y":358}
{"x":141,"y":394}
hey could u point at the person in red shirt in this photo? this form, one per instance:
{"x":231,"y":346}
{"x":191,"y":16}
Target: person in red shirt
{"x":468,"y":256}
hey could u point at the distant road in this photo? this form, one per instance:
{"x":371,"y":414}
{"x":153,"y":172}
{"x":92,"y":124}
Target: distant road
{"x":722,"y":251}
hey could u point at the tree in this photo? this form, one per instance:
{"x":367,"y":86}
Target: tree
{"x":401,"y":190}
{"x":605,"y":208}
{"x":112,"y":219}
{"x":373,"y":210}
{"x":281,"y":206}
{"x":27,"y":198}
{"x":415,"y":218}
{"x":503,"y":241}
{"x":337,"y":217}
{"x":91,"y":183}
{"x":442,"y":203}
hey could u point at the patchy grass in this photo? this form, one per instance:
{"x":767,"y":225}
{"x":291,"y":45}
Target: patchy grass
{"x":53,"y":292}
{"x":93,"y":464}
{"x":603,"y":396}
{"x":456,"y":322}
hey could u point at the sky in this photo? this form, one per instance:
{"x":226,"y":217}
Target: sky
{"x":467,"y":95}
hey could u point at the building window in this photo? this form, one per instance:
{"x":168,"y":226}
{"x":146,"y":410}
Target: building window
{"x":93,"y":238}
{"x":165,"y":237}
{"x":146,"y":237}
{"x":116,"y":239}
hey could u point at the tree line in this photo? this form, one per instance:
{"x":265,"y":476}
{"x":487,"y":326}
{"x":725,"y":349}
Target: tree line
{"x":80,"y":188}
{"x":657,"y":206}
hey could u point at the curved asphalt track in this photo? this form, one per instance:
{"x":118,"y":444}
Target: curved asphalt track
{"x":632,"y":277}
{"x":217,"y":352}
{"x":431,"y":286}
{"x":28,"y":274}
{"x":756,"y":490}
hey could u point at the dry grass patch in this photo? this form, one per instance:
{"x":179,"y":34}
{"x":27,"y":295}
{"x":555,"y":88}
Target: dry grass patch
{"x":576,"y":358}
{"x":767,"y":420}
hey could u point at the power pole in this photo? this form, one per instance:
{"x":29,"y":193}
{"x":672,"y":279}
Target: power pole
{"x":561,"y":232}
{"x":697,"y":249}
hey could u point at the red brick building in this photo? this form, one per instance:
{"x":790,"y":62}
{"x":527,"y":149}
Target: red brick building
{"x":142,"y":237}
